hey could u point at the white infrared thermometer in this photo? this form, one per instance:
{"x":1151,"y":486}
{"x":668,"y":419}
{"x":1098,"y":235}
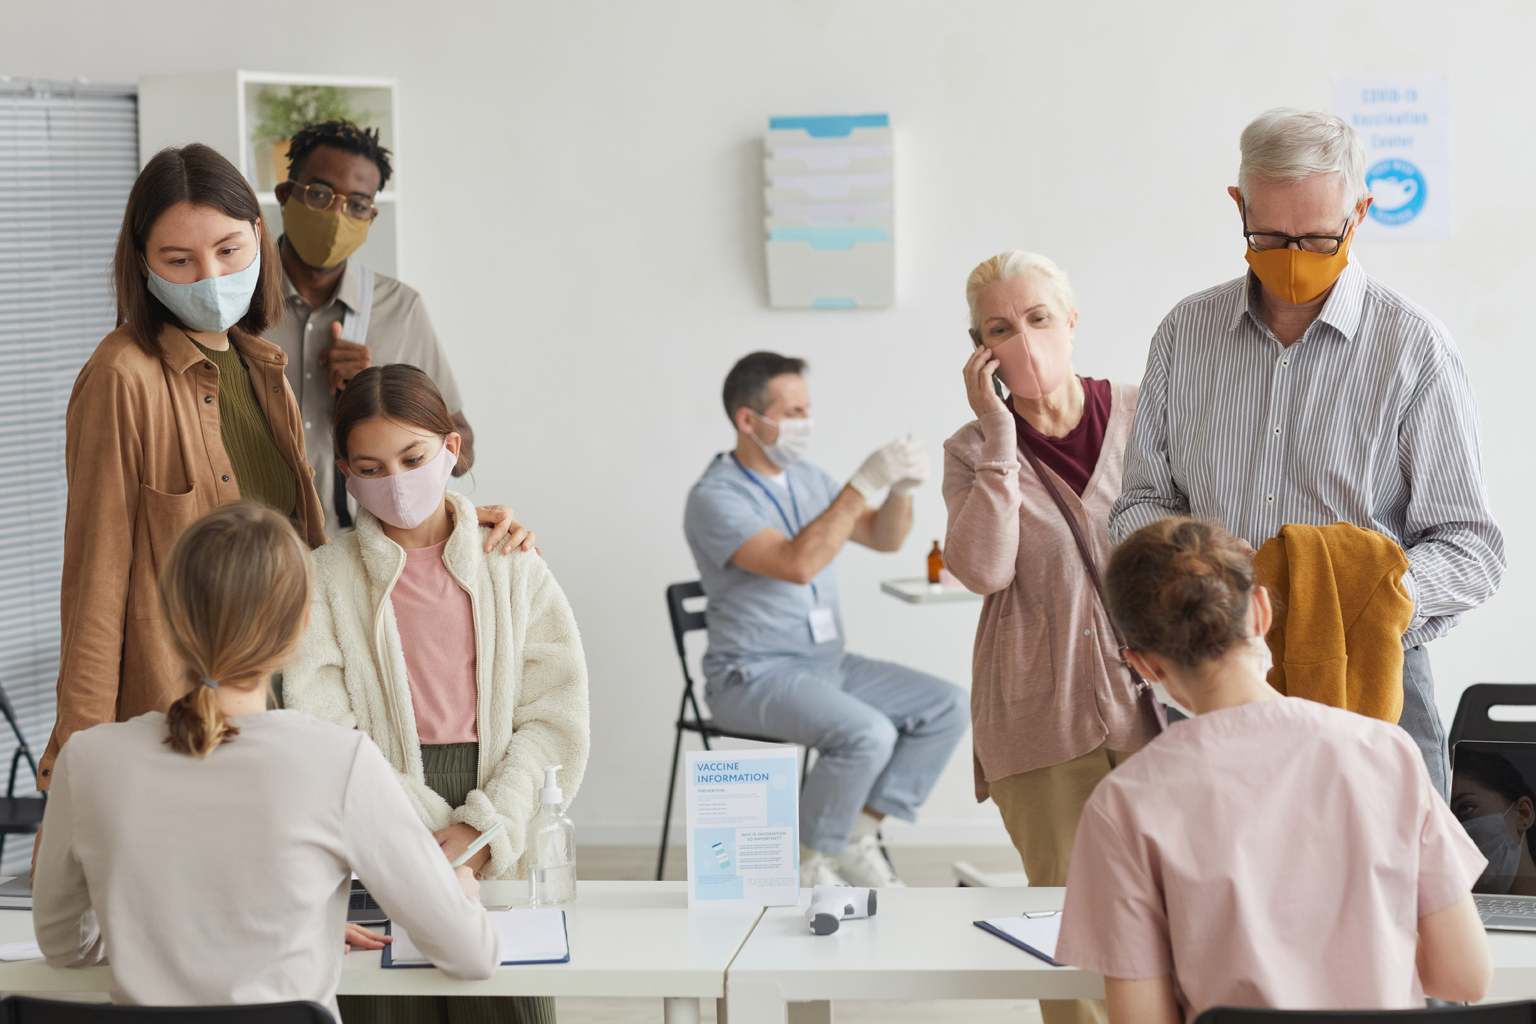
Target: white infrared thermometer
{"x":833,"y":904}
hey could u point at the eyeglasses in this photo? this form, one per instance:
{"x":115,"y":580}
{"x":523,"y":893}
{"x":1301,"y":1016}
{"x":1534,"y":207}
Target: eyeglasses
{"x":320,"y":197}
{"x":1323,"y":245}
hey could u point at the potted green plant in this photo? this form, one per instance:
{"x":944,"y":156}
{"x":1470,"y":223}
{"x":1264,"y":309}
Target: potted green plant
{"x":284,"y":113}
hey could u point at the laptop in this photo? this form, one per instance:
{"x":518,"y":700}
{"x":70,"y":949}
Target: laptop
{"x":361,"y":908}
{"x":1493,"y":795}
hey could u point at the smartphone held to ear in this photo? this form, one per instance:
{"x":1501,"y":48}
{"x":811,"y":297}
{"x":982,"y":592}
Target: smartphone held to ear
{"x":996,"y":385}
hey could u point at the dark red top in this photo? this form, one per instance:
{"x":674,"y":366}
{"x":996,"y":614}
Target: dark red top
{"x":1074,"y":456}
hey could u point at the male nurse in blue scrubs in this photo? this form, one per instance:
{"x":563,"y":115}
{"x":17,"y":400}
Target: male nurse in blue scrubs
{"x":765,"y":526}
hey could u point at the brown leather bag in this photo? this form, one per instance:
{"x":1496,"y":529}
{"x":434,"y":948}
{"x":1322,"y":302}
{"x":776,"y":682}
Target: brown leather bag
{"x":1146,"y":698}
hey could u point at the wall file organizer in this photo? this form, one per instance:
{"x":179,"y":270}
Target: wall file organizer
{"x":828,"y":194}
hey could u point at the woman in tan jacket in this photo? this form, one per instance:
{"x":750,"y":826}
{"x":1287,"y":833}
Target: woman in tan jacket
{"x":1053,"y":709}
{"x":182,"y":408}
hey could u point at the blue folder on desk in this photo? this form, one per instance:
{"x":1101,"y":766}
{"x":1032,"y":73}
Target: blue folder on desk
{"x":1033,"y":933}
{"x":527,"y":937}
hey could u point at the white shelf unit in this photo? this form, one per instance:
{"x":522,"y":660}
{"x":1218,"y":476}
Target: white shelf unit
{"x":220,"y":109}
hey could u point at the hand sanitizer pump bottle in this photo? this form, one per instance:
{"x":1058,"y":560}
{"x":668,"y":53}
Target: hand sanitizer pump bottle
{"x":551,"y":849}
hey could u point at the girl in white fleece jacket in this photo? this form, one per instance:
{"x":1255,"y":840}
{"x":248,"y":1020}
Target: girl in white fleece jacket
{"x":465,"y":668}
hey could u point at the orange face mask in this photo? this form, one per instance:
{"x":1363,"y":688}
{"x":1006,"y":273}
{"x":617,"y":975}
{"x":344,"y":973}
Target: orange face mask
{"x":1295,"y":275}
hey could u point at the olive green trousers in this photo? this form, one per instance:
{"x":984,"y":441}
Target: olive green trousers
{"x":451,"y":773}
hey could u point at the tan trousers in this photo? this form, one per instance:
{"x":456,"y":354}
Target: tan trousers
{"x":1040,"y":810}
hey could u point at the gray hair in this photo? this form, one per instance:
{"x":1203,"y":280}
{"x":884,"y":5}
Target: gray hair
{"x":1016,"y":264}
{"x":1285,"y":144}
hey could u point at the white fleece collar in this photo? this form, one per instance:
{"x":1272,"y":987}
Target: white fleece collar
{"x":383,"y":558}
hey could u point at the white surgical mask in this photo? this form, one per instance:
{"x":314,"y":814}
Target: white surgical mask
{"x":794,"y":440}
{"x":1492,"y":837}
{"x":212,"y":305}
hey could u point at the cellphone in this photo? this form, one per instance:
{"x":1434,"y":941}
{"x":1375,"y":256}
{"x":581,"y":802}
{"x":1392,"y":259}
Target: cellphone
{"x":976,"y":342}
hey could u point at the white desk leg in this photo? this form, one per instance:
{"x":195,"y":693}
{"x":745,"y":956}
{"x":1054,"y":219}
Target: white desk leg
{"x":680,"y":1011}
{"x":819,"y":1012}
{"x":755,"y":1002}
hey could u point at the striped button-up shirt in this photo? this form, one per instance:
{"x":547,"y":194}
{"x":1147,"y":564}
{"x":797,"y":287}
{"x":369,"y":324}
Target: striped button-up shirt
{"x":1369,"y":418}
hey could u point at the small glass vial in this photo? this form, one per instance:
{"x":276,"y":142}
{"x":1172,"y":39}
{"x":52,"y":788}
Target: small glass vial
{"x":551,"y":849}
{"x":935,"y":563}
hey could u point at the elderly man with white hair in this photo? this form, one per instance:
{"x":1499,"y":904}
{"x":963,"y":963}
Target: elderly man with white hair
{"x":1306,"y":391}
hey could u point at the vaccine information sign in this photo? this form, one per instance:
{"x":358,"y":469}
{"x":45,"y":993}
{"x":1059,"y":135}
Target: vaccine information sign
{"x":743,"y":824}
{"x":1405,"y":122}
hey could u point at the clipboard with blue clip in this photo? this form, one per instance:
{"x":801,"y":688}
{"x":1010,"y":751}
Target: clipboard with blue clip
{"x":531,"y":936}
{"x":1034,"y":933}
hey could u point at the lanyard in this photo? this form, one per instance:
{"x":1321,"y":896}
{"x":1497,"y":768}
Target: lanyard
{"x":794,"y":527}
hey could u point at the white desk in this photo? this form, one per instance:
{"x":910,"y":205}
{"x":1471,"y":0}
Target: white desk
{"x":627,"y":939}
{"x":918,"y":590}
{"x":921,"y":944}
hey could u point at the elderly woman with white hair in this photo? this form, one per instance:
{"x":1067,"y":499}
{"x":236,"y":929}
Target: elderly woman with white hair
{"x":1053,"y":707}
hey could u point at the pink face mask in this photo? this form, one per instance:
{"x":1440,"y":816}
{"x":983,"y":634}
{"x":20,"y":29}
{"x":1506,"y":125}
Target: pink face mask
{"x":1035,"y":362}
{"x":405,"y":499}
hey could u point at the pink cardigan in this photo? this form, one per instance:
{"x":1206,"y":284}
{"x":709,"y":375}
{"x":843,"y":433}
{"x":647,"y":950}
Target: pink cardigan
{"x":1047,"y":683}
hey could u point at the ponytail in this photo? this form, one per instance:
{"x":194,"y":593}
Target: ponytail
{"x":234,"y":592}
{"x":196,"y":723}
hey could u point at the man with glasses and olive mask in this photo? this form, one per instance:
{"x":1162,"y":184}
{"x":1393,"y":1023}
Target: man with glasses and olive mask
{"x":344,"y":317}
{"x":1307,"y":391}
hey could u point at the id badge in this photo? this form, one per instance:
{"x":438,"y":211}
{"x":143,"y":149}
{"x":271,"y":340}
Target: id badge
{"x":823,"y":625}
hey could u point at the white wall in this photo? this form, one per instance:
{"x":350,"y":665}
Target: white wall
{"x":584,"y":204}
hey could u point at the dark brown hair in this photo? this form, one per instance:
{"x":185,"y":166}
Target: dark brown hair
{"x":198,"y":175}
{"x":1180,"y":588}
{"x":747,"y":383}
{"x":401,"y":392}
{"x":234,"y":592}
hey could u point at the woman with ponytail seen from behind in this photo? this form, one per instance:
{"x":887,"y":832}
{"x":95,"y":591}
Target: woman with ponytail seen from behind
{"x":208,"y":850}
{"x":1272,"y":851}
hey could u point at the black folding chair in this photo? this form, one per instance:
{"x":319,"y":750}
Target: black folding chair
{"x":1492,"y":1013}
{"x":1472,"y":721}
{"x":18,"y":815}
{"x":25,"y":1010}
{"x":683,"y":623}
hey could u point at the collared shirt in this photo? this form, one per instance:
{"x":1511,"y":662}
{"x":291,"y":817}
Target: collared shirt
{"x":399,"y":331}
{"x":756,"y":621}
{"x":1368,"y":419}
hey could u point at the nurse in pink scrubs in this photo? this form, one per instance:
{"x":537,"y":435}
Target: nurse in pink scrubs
{"x":1272,"y":851}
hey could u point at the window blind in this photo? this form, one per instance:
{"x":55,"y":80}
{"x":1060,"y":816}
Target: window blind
{"x":68,"y":157}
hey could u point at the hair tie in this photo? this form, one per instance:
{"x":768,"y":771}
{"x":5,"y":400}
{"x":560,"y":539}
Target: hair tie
{"x":209,"y":683}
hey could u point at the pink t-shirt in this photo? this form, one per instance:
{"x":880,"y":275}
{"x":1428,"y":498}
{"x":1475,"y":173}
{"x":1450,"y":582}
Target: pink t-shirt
{"x":1277,"y":854}
{"x":437,"y":633}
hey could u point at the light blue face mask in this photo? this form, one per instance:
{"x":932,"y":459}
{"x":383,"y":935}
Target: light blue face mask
{"x":212,"y":305}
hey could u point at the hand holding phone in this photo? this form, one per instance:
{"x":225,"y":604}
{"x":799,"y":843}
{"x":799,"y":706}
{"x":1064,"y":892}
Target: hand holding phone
{"x":982,"y":389}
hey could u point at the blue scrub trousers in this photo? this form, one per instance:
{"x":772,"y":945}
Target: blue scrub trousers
{"x":882,"y":734}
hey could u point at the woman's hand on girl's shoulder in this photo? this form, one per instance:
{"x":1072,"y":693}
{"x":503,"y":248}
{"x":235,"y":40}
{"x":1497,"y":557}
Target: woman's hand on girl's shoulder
{"x":505,"y":528}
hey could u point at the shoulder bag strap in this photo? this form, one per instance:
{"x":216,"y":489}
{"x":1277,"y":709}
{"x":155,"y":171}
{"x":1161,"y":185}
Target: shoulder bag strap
{"x":1144,"y":695}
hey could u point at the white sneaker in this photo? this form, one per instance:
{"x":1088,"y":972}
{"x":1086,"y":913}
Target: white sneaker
{"x":819,"y":869}
{"x":862,"y":863}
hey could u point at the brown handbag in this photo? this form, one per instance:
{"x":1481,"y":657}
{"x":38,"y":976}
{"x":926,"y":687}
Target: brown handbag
{"x":1146,"y":698}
